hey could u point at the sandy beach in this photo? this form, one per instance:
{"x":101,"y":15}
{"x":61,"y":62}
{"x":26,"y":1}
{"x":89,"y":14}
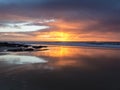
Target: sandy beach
{"x":61,"y":68}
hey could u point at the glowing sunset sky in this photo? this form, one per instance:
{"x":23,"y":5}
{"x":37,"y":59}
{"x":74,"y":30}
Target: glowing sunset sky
{"x":60,"y":20}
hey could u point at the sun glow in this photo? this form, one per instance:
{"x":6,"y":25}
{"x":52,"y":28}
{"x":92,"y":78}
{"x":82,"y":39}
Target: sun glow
{"x":61,"y":36}
{"x":54,"y":36}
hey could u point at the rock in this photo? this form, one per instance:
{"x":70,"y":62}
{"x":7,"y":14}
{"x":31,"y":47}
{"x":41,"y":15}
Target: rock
{"x":29,"y":49}
{"x":6,"y":44}
{"x":39,"y":47}
{"x":14,"y":47}
{"x":15,"y":50}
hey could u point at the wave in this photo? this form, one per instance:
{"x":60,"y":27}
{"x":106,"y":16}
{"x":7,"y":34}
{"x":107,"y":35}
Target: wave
{"x":90,"y":44}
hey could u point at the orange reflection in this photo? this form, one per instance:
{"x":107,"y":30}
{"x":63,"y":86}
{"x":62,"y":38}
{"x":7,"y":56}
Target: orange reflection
{"x":57,"y":52}
{"x":63,"y":56}
{"x":62,"y":63}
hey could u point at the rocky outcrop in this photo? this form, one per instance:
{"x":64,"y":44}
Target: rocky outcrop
{"x":16,"y":47}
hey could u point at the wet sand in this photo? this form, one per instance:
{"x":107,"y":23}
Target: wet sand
{"x":64,"y":68}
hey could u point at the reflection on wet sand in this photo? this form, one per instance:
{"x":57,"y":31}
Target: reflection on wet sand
{"x":16,"y":59}
{"x":61,"y":68}
{"x":81,"y":57}
{"x":20,"y":63}
{"x":60,"y":57}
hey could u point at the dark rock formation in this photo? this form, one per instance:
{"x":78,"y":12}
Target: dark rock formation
{"x":39,"y":47}
{"x":16,"y":47}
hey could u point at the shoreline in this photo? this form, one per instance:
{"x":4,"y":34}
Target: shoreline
{"x":21,"y":47}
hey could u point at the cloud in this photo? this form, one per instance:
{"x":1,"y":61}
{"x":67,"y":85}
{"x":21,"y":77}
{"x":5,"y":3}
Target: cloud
{"x":21,"y":27}
{"x":78,"y":16}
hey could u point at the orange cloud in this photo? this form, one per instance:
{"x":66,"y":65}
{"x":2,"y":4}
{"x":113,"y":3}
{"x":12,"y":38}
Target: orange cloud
{"x":61,"y":30}
{"x":71,"y":31}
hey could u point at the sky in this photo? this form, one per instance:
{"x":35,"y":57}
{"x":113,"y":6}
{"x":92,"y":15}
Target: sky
{"x":59,"y":20}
